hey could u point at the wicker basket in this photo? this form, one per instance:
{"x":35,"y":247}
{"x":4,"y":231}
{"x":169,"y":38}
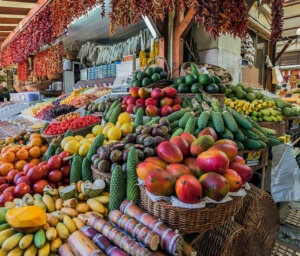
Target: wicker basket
{"x":72,"y":54}
{"x":224,"y":75}
{"x":289,"y":127}
{"x":220,"y":97}
{"x":284,"y":249}
{"x":262,"y":161}
{"x":82,"y":131}
{"x":40,"y":86}
{"x":260,"y":217}
{"x":227,"y":240}
{"x":101,"y":175}
{"x":55,"y":76}
{"x":278,"y":127}
{"x":164,"y":82}
{"x":190,"y":220}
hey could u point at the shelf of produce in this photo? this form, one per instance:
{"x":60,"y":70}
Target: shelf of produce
{"x":220,"y":97}
{"x":292,"y":124}
{"x":278,"y":127}
{"x":255,"y":158}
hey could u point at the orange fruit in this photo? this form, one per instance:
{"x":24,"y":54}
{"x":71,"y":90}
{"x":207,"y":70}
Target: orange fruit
{"x":6,"y":168}
{"x":36,"y":142}
{"x":35,"y":152}
{"x":14,"y":149}
{"x":22,"y":154}
{"x":5,"y":149}
{"x":8,"y":157}
{"x":35,"y":161}
{"x":20,"y":165}
{"x":35,"y":136}
{"x":44,"y":149}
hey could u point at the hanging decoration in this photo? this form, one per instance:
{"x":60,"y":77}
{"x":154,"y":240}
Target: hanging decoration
{"x":23,"y":71}
{"x":277,"y":19}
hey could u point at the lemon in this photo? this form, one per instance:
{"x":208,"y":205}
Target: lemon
{"x":124,"y":118}
{"x":84,"y":149}
{"x":89,"y":136}
{"x":79,"y":137}
{"x":105,"y":130}
{"x":72,"y":146}
{"x":97,"y":130}
{"x":118,"y":125}
{"x":109,"y":124}
{"x":65,"y":140}
{"x":126,"y":129}
{"x":84,"y":141}
{"x":114,"y":133}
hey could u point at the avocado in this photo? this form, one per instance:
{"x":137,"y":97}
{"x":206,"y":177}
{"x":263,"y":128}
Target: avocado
{"x":155,"y":77}
{"x":194,"y":70}
{"x":137,"y":83}
{"x":241,"y":86}
{"x":216,"y":79}
{"x":146,"y":81}
{"x":190,"y":79}
{"x":228,"y":92}
{"x":250,"y":97}
{"x":204,"y":79}
{"x":134,"y":76}
{"x":179,"y":80}
{"x":183,"y":88}
{"x":163,"y":75}
{"x":158,"y":70}
{"x":212,"y":88}
{"x":222,"y":88}
{"x":141,"y":75}
{"x":196,"y":88}
{"x":149,"y":72}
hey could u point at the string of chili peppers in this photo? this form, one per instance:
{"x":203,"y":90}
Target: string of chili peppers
{"x":23,"y":71}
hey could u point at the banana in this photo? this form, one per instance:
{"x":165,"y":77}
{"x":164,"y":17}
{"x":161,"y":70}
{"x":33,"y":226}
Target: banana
{"x":5,"y":234}
{"x":241,"y":103}
{"x":11,"y":242}
{"x":251,"y":108}
{"x":16,"y":252}
{"x":231,"y":104}
{"x":31,"y":251}
{"x":26,"y":241}
{"x":44,"y":251}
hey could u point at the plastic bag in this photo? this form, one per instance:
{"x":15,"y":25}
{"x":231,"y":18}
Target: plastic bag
{"x":285,"y":175}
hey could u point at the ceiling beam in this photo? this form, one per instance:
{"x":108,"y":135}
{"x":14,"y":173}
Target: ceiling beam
{"x":4,"y":33}
{"x":15,"y":11}
{"x":22,"y":1}
{"x":290,"y":4}
{"x":7,"y":28}
{"x":292,"y":28}
{"x":291,"y":17}
{"x":282,"y":51}
{"x":10,"y":20}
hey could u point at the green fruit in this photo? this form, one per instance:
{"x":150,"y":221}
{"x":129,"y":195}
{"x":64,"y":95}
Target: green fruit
{"x":183,"y":120}
{"x":117,"y":189}
{"x":39,"y":239}
{"x":178,"y":132}
{"x":190,"y":125}
{"x":155,"y":77}
{"x":132,"y":189}
{"x":75,"y":174}
{"x":86,"y":172}
{"x":230,"y":121}
{"x":212,"y":88}
{"x":203,"y":119}
{"x":227,"y":134}
{"x":134,"y":76}
{"x":218,"y":122}
{"x":115,"y":114}
{"x":222,"y":88}
{"x":194,"y":70}
{"x":137,"y":83}
{"x":163,"y":75}
{"x":190,"y":79}
{"x":216,"y":79}
{"x":239,"y":135}
{"x":141,"y":75}
{"x":179,"y":80}
{"x":251,"y":144}
{"x":158,"y":69}
{"x":68,"y":133}
{"x":149,"y":71}
{"x":50,"y":152}
{"x":228,"y":92}
{"x":204,"y":79}
{"x":98,"y":142}
{"x":44,"y":127}
{"x":196,"y":88}
{"x":242,"y":121}
{"x":139,"y":118}
{"x":3,"y":212}
{"x":183,"y":88}
{"x":146,"y":81}
{"x":175,"y":116}
{"x":175,"y":86}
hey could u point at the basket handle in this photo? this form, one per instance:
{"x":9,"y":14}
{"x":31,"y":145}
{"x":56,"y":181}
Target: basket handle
{"x":165,"y":61}
{"x":73,"y":44}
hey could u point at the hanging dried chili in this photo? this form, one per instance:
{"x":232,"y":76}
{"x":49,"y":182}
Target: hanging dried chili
{"x":23,"y":71}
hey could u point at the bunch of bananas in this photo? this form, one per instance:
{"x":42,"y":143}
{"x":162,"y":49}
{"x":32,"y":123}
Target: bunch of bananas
{"x":143,"y":55}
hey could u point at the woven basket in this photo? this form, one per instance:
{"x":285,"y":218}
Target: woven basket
{"x":226,"y":79}
{"x":289,"y":124}
{"x":220,"y":97}
{"x":278,"y":127}
{"x":72,"y":54}
{"x":260,"y":217}
{"x":82,"y":131}
{"x":40,"y":86}
{"x":101,"y":175}
{"x":227,"y":240}
{"x":164,"y":82}
{"x":190,"y":220}
{"x":285,"y":249}
{"x":263,"y":160}
{"x":55,"y":76}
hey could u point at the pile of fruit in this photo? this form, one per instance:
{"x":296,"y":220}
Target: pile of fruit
{"x":15,"y":157}
{"x":80,"y":100}
{"x":41,"y":223}
{"x":191,"y":168}
{"x":158,"y":102}
{"x":74,"y":123}
{"x":239,"y":92}
{"x":55,"y":111}
{"x":287,"y":108}
{"x":98,"y":91}
{"x":102,"y":106}
{"x":35,"y":109}
{"x":67,"y":116}
{"x":149,"y":76}
{"x":78,"y":144}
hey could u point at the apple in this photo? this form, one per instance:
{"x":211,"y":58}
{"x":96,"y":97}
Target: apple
{"x":6,"y":197}
{"x":176,"y":108}
{"x":166,"y":102}
{"x":3,"y":180}
{"x":55,"y":176}
{"x":27,"y":167}
{"x":151,"y":101}
{"x":21,"y":189}
{"x":63,"y":155}
{"x":177,"y":101}
{"x":23,"y":179}
{"x":43,"y":163}
{"x":166,"y":110}
{"x":134,"y":91}
{"x":39,"y":186}
{"x":129,"y":109}
{"x":10,"y":189}
{"x":151,"y":111}
{"x":66,"y":170}
{"x":35,"y":174}
{"x":170,"y":92}
{"x":140,"y":101}
{"x":45,"y":172}
{"x":54,"y":162}
{"x":157,"y":93}
{"x":3,"y":187}
{"x":18,"y":175}
{"x":131,"y":100}
{"x":125,"y":99}
{"x":11,"y":175}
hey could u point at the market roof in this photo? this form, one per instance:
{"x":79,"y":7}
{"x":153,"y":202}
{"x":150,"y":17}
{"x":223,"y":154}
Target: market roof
{"x":11,"y":13}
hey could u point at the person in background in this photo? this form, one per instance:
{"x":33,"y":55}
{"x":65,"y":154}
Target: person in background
{"x":4,"y":93}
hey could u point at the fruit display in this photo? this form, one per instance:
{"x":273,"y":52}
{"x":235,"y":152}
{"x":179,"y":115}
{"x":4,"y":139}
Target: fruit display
{"x":240,"y":92}
{"x":40,"y":223}
{"x":55,"y":111}
{"x":190,"y":168}
{"x":287,"y":108}
{"x":101,"y":106}
{"x":74,"y":123}
{"x":67,"y":116}
{"x":35,"y":109}
{"x":98,"y":91}
{"x":156,"y":102}
{"x":80,"y":100}
{"x":150,"y":75}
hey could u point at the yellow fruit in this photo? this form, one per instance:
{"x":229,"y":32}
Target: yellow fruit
{"x":132,"y":124}
{"x":119,"y":125}
{"x":26,"y":241}
{"x":72,"y":146}
{"x":114,"y":133}
{"x":65,"y":140}
{"x":84,"y":141}
{"x":126,"y":129}
{"x":105,"y":142}
{"x":109,"y":124}
{"x":91,"y":140}
{"x":70,"y":224}
{"x":16,"y":252}
{"x":32,"y":250}
{"x":45,"y":250}
{"x":124,"y":118}
{"x":56,"y":244}
{"x":89,"y":136}
{"x":78,"y":137}
{"x":84,"y":149}
{"x":105,"y":130}
{"x":97,"y":130}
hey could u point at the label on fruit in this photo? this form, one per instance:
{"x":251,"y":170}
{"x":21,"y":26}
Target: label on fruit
{"x":294,"y":124}
{"x":253,"y":158}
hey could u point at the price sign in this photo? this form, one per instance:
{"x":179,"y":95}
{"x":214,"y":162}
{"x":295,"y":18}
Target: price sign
{"x":253,"y":158}
{"x":294,"y":124}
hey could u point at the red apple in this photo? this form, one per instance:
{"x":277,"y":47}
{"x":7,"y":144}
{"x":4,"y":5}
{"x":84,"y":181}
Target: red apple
{"x":43,"y":163}
{"x":166,"y":110}
{"x":134,"y":91}
{"x":131,"y":100}
{"x":55,"y":176}
{"x":151,"y":101}
{"x":17,"y":176}
{"x":66,"y":170}
{"x":10,"y":189}
{"x":157,"y":93}
{"x":3,"y":187}
{"x":3,"y":180}
{"x":54,"y":162}
{"x":125,"y":99}
{"x":140,"y":101}
{"x":35,"y":174}
{"x":23,"y":179}
{"x":27,"y":167}
{"x":63,"y":155}
{"x":45,"y":172}
{"x":166,"y":102}
{"x":151,"y":111}
{"x":129,"y":109}
{"x":21,"y":189}
{"x":170,"y":92}
{"x":39,"y":186}
{"x":6,"y":197}
{"x":124,"y":107}
{"x":177,"y":101}
{"x":11,"y":175}
{"x":176,"y":108}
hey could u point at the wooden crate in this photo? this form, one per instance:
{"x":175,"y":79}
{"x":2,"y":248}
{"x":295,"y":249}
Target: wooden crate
{"x":278,"y":127}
